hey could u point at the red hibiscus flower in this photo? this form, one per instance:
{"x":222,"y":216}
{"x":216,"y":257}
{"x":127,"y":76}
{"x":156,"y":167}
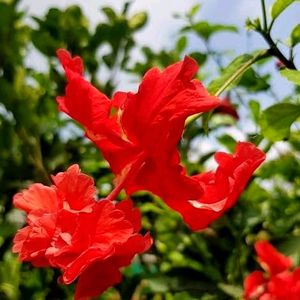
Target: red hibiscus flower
{"x":227,"y":108}
{"x":137,"y":132}
{"x":68,"y":229}
{"x":279,"y":282}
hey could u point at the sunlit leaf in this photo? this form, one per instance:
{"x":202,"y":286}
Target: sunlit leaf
{"x":295,"y":35}
{"x":228,"y":75}
{"x":138,"y":20}
{"x":231,"y":290}
{"x":193,"y":11}
{"x":279,"y":6}
{"x":291,"y":75}
{"x":276,"y":120}
{"x":181,"y":44}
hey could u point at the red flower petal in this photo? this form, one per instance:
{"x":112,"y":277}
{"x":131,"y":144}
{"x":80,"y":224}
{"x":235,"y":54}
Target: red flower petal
{"x":96,"y":279}
{"x":284,"y":285}
{"x":254,"y":285}
{"x":37,"y":197}
{"x":101,"y":275}
{"x":132,"y":214}
{"x":161,"y":105}
{"x":75,"y":189}
{"x":270,"y":259}
{"x":221,"y":189}
{"x":75,"y":64}
{"x":32,"y":241}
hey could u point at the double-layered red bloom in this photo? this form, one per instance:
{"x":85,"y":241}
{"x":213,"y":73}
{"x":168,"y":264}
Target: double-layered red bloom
{"x":138,"y":134}
{"x":279,"y":282}
{"x":69,"y":229}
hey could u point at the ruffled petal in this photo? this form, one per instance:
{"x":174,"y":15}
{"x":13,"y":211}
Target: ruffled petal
{"x":75,"y":189}
{"x":255,"y":285}
{"x":270,"y":259}
{"x":96,"y":279}
{"x":37,"y":197}
{"x":132,"y":214}
{"x":32,"y":241}
{"x":160,"y":107}
{"x":220,"y":189}
{"x":70,"y":64}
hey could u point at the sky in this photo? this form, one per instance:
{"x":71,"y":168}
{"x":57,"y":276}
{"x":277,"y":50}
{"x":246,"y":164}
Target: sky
{"x":162,"y":29}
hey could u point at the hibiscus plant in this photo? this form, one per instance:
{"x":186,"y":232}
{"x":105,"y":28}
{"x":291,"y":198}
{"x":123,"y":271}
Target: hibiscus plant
{"x":108,"y":193}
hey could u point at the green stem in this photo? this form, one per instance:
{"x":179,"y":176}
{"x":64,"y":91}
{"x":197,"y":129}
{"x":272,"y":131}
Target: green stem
{"x":263,"y":5}
{"x":274,"y":51}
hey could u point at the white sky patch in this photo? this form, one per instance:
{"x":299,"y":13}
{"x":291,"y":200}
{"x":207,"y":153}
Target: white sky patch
{"x":248,"y":9}
{"x":278,"y":149}
{"x":157,"y":34}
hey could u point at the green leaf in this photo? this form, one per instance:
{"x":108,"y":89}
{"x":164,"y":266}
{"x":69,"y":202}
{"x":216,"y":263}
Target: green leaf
{"x":192,"y":12}
{"x":230,"y":75}
{"x":228,"y":141}
{"x":295,"y":35}
{"x":291,"y":75}
{"x":231,"y":290}
{"x":138,"y":20}
{"x":181,"y":44}
{"x":290,"y":245}
{"x":199,"y":57}
{"x":255,"y":110}
{"x":110,"y":14}
{"x":279,"y":6}
{"x":276,"y":120}
{"x":206,"y":30}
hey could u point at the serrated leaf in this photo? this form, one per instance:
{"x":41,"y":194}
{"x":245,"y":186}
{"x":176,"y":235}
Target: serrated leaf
{"x":295,"y":35}
{"x":279,"y":6}
{"x":276,"y":120}
{"x":291,"y":75}
{"x":233,"y":68}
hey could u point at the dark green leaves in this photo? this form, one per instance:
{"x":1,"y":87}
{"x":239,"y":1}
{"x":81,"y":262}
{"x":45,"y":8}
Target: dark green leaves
{"x":276,"y":120}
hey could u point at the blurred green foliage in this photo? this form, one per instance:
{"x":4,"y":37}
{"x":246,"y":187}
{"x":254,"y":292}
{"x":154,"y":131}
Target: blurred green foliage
{"x":36,"y":141}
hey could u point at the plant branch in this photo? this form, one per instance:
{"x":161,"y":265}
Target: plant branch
{"x":265,"y":22}
{"x":274,"y":51}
